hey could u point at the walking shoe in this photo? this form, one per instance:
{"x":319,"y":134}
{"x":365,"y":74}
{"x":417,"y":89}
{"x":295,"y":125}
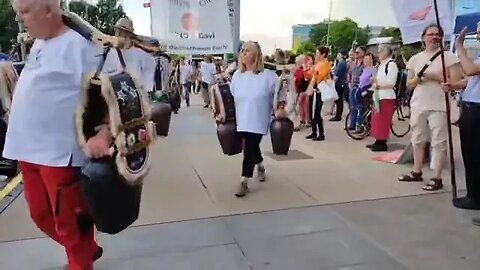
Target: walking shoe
{"x":476,"y":221}
{"x":335,"y":119}
{"x":311,"y":136}
{"x":319,"y":138}
{"x":261,"y":172}
{"x":96,"y":256}
{"x":242,"y":189}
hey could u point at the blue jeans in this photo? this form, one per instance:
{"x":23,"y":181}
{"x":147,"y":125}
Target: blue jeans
{"x":357,"y":107}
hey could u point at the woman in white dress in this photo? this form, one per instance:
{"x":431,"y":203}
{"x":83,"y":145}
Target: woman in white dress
{"x":253,"y":89}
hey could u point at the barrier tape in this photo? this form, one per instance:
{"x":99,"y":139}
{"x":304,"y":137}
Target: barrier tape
{"x":12,"y":184}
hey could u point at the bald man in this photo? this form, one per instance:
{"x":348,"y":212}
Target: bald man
{"x":41,"y":131}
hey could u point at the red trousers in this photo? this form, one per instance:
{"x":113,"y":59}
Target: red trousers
{"x":382,"y":120}
{"x":58,"y":208}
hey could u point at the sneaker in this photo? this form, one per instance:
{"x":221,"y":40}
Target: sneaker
{"x":261,"y":173}
{"x":242,"y":189}
{"x":476,"y":221}
{"x":311,"y":136}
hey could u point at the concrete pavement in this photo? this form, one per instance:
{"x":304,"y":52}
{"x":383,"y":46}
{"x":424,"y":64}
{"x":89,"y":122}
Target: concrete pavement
{"x":191,"y":180}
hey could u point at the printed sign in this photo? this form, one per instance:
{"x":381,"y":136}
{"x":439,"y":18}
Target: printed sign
{"x":414,"y":15}
{"x":192,"y":26}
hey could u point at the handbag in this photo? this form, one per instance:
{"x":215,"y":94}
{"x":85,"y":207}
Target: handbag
{"x":328,"y":91}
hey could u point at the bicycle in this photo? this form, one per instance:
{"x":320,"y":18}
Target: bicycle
{"x":400,"y":130}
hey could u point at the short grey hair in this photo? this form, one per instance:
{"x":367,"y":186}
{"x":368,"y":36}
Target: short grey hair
{"x":387,"y":48}
{"x":54,"y":5}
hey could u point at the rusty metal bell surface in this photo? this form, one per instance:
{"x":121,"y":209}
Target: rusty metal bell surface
{"x":230,"y":140}
{"x":281,"y":131}
{"x":161,"y":115}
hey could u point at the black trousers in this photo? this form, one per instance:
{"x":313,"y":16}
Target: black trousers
{"x":3,"y":135}
{"x":470,"y":144}
{"x":317,"y":120}
{"x":340,"y":87}
{"x":251,"y":153}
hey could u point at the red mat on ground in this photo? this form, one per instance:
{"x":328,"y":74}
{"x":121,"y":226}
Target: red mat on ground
{"x":390,"y":157}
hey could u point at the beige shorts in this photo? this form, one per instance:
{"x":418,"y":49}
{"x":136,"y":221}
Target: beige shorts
{"x":429,"y":126}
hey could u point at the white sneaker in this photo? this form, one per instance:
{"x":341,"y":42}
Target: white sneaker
{"x":243,"y":188}
{"x":261,"y":173}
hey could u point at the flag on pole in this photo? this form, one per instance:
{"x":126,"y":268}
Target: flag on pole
{"x":414,"y":15}
{"x":146,"y":3}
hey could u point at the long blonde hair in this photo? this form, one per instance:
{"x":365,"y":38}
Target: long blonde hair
{"x":8,"y":80}
{"x":258,"y":58}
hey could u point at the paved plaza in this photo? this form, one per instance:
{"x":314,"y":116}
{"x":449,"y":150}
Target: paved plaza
{"x":327,"y":206}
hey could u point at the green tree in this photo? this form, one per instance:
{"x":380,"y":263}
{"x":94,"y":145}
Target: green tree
{"x":307,"y":47}
{"x":8,"y":25}
{"x":343,"y":35}
{"x":318,"y":33}
{"x":103,"y":16}
{"x":393,"y":32}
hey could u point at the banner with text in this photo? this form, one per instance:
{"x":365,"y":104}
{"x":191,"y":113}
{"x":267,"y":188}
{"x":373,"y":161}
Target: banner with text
{"x":414,"y":15}
{"x":192,"y":26}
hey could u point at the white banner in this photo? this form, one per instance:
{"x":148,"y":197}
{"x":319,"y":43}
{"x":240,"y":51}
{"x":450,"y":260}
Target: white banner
{"x":414,"y":15}
{"x":234,"y":13}
{"x":192,"y":26}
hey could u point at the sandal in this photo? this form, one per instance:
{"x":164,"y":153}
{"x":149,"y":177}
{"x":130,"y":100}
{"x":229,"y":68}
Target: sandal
{"x":434,"y":185}
{"x":412,"y":177}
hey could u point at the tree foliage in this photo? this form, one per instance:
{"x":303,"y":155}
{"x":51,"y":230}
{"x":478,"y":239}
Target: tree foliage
{"x":343,"y":35}
{"x":8,"y":25}
{"x":103,"y":15}
{"x":393,"y":32}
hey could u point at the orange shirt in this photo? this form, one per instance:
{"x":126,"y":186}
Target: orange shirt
{"x":322,"y":71}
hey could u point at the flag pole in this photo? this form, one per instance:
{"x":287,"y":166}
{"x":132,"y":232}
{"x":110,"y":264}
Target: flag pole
{"x":447,"y":103}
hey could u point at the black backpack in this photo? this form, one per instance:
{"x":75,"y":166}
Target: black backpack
{"x":401,"y":83}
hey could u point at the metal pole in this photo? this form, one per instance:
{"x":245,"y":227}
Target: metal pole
{"x":329,"y":20}
{"x":447,"y":103}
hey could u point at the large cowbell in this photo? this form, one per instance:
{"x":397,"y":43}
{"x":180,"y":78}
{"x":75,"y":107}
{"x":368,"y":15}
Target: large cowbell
{"x":224,"y":113}
{"x":281,"y":129}
{"x":113,"y":185}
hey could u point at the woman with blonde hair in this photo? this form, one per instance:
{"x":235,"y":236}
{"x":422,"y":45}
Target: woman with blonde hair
{"x":8,"y":80}
{"x":253,"y":89}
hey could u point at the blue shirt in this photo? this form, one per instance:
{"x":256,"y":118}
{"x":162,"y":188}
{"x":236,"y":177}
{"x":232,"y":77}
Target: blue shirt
{"x":3,"y":57}
{"x":472,"y":91}
{"x":254,"y":95}
{"x":341,"y":71}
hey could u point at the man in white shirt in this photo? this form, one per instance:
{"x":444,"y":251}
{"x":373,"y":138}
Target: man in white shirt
{"x":207,"y":75}
{"x":140,"y":63}
{"x":185,"y":74}
{"x":41,"y":131}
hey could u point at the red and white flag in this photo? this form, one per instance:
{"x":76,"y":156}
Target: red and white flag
{"x":414,"y":15}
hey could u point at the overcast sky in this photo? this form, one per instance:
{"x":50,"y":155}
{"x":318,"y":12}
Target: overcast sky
{"x":274,"y":29}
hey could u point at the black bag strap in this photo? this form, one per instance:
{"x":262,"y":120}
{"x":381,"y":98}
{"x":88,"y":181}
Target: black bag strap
{"x":386,"y":66}
{"x":420,"y":74}
{"x":104,"y":58}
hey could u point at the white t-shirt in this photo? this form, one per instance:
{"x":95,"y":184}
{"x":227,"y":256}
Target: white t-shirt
{"x":387,"y":79}
{"x":207,"y":71}
{"x":428,"y":95}
{"x":41,"y":127}
{"x":185,"y":72}
{"x":140,"y":63}
{"x":253,"y":94}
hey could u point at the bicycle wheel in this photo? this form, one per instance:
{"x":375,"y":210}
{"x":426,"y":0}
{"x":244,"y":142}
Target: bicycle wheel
{"x":400,"y":122}
{"x":358,"y":136}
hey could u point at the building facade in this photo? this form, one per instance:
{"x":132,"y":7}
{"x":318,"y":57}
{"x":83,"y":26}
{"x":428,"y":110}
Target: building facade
{"x":300,"y":33}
